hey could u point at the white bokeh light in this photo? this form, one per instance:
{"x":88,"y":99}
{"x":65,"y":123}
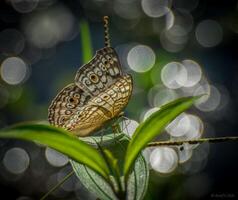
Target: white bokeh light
{"x":183,"y":22}
{"x":163,"y":23}
{"x":174,"y":75}
{"x":49,"y":27}
{"x":14,"y":70}
{"x":164,"y":96}
{"x":185,"y":152}
{"x":179,"y":126}
{"x":175,"y":38}
{"x":194,"y":73}
{"x":177,"y":34}
{"x":149,"y":112}
{"x":129,"y":126}
{"x":16,"y":160}
{"x":24,"y":6}
{"x":163,"y":159}
{"x":155,"y":8}
{"x":210,"y":101}
{"x":146,"y":153}
{"x":196,"y":127}
{"x":185,"y":126}
{"x":209,"y":33}
{"x":141,"y":58}
{"x":127,"y":9}
{"x":171,"y":46}
{"x":55,"y":158}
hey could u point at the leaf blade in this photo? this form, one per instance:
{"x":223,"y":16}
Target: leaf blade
{"x":152,"y":127}
{"x":60,"y":140}
{"x":137,"y":182}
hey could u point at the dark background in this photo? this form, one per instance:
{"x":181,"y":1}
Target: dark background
{"x":56,"y":65}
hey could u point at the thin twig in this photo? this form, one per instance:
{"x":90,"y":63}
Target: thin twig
{"x":57,"y":185}
{"x":106,"y":31}
{"x":195,"y":141}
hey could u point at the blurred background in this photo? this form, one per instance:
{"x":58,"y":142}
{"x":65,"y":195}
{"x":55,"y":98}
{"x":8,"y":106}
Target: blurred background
{"x":172,"y":48}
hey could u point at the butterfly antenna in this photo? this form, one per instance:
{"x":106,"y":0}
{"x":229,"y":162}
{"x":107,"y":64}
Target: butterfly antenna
{"x":195,"y":141}
{"x":106,"y":31}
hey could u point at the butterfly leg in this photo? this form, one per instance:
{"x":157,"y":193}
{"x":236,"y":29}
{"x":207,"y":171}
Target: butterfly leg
{"x":101,"y":135}
{"x":116,"y":129}
{"x":121,"y":114}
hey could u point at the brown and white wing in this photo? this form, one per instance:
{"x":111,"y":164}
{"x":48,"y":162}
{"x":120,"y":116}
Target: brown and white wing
{"x":66,"y":103}
{"x":100,"y":73}
{"x":101,"y":108}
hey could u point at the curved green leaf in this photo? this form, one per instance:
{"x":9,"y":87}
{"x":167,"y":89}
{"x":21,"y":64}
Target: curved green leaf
{"x":60,"y":140}
{"x":138,"y":179}
{"x":153,"y":126}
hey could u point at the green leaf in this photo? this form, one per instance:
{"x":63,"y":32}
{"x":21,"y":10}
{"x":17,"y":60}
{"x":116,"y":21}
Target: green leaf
{"x":153,"y":126}
{"x":60,"y":140}
{"x":86,"y":41}
{"x":138,"y":179}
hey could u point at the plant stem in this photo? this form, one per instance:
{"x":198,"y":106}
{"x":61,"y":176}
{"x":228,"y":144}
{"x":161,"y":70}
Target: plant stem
{"x":194,"y":141}
{"x":86,"y":41}
{"x":57,"y":185}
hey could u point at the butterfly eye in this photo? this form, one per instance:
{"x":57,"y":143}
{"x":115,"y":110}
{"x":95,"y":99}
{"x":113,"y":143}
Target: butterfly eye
{"x":62,"y":120}
{"x":105,"y":96}
{"x":68,"y":112}
{"x":73,"y":100}
{"x":94,"y":78}
{"x":101,"y":65}
{"x":76,"y":96}
{"x":98,"y":100}
{"x":110,"y":60}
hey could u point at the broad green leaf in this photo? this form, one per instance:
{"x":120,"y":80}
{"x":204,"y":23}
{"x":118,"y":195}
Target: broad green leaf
{"x":60,"y":140}
{"x":138,"y":179}
{"x":86,"y":41}
{"x":152,"y":127}
{"x":104,"y":140}
{"x":93,"y":182}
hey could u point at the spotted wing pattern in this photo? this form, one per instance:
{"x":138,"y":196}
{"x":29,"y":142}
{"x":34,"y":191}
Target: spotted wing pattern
{"x":66,"y":103}
{"x":99,"y":94}
{"x":100,"y":73}
{"x":101,"y":108}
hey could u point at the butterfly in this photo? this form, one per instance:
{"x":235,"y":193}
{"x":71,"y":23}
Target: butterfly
{"x":99,"y":94}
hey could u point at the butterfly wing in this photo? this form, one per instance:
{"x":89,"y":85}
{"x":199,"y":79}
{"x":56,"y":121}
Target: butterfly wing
{"x":101,"y":72}
{"x":116,"y":97}
{"x":99,"y":94}
{"x":66,"y":103}
{"x":88,"y":119}
{"x":102,"y":108}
